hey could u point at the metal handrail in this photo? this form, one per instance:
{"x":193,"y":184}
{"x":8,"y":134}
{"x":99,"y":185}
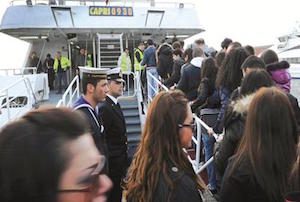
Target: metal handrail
{"x":134,"y":76}
{"x":69,"y":93}
{"x":199,"y":123}
{"x":112,"y":3}
{"x":4,"y":92}
{"x":20,"y":70}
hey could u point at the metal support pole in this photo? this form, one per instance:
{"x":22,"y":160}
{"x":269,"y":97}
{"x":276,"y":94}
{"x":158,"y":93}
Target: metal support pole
{"x":70,"y":59}
{"x":121,"y":43}
{"x":94,"y":51}
{"x":198,"y":146}
{"x":7,"y":105}
{"x":126,"y":41}
{"x":98,"y":46}
{"x":78,"y":87}
{"x":133,"y":45}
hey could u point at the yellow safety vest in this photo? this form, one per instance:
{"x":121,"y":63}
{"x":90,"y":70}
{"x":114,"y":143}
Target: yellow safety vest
{"x":125,"y":63}
{"x":89,"y":60}
{"x":64,"y":62}
{"x":137,"y":64}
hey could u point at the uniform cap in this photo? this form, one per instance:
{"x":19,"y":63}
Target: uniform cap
{"x":115,"y":74}
{"x":93,"y":73}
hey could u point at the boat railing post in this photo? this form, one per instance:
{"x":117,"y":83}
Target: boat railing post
{"x":198,"y":144}
{"x":78,"y":87}
{"x":7,"y":105}
{"x":70,"y":95}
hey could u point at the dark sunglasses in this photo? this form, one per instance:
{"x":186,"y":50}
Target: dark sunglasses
{"x":92,"y":181}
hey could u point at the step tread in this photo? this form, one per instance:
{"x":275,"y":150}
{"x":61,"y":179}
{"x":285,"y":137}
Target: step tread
{"x":127,"y":107}
{"x":133,"y":122}
{"x":133,"y":130}
{"x":134,"y":139}
{"x":130,"y":114}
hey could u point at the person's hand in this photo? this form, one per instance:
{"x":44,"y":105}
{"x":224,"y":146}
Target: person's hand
{"x":220,"y":138}
{"x":210,"y":131}
{"x":173,"y":87}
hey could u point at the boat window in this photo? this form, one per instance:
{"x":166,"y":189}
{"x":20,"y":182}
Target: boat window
{"x":63,"y":17}
{"x":17,"y":102}
{"x":154,"y":18}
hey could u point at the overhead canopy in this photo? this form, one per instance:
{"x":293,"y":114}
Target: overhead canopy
{"x":43,"y":19}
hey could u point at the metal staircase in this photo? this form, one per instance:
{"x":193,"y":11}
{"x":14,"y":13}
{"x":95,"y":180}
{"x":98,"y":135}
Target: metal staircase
{"x":110,"y":48}
{"x":131,"y":113}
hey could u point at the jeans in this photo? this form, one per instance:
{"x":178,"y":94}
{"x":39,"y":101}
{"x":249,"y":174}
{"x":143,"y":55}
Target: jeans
{"x":152,"y":84}
{"x":208,"y":142}
{"x":61,"y":76}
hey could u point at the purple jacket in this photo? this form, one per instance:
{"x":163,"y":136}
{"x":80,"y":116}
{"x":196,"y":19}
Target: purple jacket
{"x":280,"y":74}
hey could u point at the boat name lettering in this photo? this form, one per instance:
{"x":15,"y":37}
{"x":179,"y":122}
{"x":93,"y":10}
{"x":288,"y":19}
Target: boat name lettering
{"x":110,"y":11}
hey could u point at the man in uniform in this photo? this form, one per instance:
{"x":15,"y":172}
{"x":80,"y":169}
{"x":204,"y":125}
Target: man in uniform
{"x":115,"y":133}
{"x":94,"y":84}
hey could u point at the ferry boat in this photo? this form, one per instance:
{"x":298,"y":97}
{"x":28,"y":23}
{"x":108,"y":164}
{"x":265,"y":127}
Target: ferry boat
{"x":103,"y":30}
{"x":288,"y":49}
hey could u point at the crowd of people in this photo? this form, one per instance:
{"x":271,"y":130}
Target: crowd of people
{"x":57,"y":68}
{"x":242,"y":97}
{"x":81,"y":154}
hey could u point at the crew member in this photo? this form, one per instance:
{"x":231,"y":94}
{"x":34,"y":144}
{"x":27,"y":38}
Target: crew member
{"x":61,"y":64}
{"x":48,"y":65}
{"x":115,"y":133}
{"x":94,"y":85}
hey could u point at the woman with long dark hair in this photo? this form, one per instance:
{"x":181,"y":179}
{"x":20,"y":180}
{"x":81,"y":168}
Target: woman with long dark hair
{"x":293,"y":194}
{"x":207,"y":84}
{"x":208,"y":102}
{"x":160,"y":170}
{"x":229,"y":77}
{"x":236,"y":114}
{"x":260,"y":169}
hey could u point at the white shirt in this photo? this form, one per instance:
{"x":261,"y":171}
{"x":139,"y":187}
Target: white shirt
{"x":115,"y":100}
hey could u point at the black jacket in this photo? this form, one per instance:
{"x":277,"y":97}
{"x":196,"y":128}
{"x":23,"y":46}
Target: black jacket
{"x":294,"y":103}
{"x":205,"y":97}
{"x":114,"y":127}
{"x":184,"y":190}
{"x":241,"y":186}
{"x":190,"y":79}
{"x":235,"y":119}
{"x":35,"y":62}
{"x":175,"y":76}
{"x":293,"y":100}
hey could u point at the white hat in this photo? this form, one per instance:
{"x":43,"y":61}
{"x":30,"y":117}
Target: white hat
{"x":115,"y":74}
{"x":97,"y":73}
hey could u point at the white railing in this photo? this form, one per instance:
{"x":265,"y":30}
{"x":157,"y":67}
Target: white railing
{"x":139,"y":95}
{"x":31,"y":102}
{"x":197,"y":141}
{"x":18,"y":71}
{"x":128,"y":77}
{"x":69,"y":95}
{"x":136,"y":3}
